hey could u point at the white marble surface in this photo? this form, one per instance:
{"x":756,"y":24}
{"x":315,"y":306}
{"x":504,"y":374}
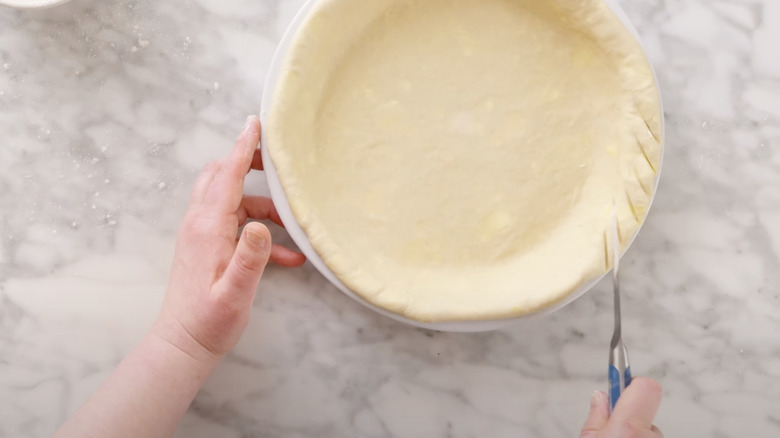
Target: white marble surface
{"x":109,"y":107}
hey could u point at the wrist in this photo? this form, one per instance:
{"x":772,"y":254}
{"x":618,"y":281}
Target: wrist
{"x":177,"y":338}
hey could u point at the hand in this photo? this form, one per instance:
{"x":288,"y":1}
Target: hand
{"x":633,"y":415}
{"x":215,"y":275}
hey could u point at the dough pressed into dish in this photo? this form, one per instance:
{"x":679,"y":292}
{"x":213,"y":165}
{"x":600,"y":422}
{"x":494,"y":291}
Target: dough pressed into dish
{"x":460,"y":159}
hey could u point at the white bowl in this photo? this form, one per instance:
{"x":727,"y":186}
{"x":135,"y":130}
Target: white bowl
{"x":300,"y":238}
{"x":32,"y":4}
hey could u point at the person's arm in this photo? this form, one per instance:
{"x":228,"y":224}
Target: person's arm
{"x":145,"y":396}
{"x":206,"y":308}
{"x":633,"y":415}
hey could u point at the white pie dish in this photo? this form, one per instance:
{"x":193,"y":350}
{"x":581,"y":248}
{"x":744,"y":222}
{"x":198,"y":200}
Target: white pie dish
{"x":32,"y":4}
{"x":301,"y":239}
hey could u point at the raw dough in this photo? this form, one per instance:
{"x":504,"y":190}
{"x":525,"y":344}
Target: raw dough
{"x":459,"y":159}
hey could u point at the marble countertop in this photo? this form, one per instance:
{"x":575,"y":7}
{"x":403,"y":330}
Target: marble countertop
{"x":109,"y":108}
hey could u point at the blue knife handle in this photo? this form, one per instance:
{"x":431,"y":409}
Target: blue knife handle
{"x":615,"y":387}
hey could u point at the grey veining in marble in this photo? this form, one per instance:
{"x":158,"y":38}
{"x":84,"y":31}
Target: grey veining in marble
{"x":109,"y":108}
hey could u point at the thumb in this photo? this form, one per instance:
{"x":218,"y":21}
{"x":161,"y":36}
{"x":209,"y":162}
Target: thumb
{"x":637,"y":407}
{"x":248,"y":263}
{"x":598,"y":416}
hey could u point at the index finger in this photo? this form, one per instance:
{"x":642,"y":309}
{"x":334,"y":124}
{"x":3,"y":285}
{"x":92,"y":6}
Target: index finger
{"x":228,"y":187}
{"x":241,"y":158}
{"x":639,"y":404}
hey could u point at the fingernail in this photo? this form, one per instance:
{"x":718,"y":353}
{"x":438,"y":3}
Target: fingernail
{"x":247,"y":123}
{"x":256,"y":239}
{"x":247,"y":126}
{"x":596,"y":399}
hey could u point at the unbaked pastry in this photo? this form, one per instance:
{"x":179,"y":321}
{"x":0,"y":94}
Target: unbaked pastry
{"x":460,"y":159}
